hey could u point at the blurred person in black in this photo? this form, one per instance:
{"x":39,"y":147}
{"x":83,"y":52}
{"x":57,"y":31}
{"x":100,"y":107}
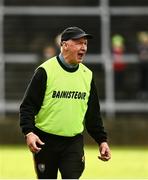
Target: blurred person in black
{"x":60,"y":96}
{"x":143,"y":60}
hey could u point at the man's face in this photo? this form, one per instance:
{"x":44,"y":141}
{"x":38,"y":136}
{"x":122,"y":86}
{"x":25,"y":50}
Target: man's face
{"x":75,"y":50}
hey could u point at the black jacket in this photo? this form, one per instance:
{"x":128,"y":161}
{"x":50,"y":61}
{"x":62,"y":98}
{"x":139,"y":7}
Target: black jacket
{"x":34,"y":96}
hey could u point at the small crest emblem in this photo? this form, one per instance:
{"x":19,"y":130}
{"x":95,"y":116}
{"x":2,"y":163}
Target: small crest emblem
{"x":41,"y":167}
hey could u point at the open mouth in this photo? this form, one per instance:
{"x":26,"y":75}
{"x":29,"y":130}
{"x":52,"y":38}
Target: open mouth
{"x":81,"y":55}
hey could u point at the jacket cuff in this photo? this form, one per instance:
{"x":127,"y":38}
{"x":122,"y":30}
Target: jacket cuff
{"x":26,"y":131}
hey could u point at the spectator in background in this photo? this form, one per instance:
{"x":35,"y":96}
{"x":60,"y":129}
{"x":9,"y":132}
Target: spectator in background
{"x":143,"y":59}
{"x":118,"y":63}
{"x":49,"y":51}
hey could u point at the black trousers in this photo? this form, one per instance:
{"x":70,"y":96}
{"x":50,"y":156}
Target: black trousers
{"x":65,"y":154}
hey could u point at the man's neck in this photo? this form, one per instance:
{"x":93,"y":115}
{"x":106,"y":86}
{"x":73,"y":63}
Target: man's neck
{"x":65,"y":63}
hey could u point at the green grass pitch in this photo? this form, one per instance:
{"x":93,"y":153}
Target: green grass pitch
{"x":126,"y":163}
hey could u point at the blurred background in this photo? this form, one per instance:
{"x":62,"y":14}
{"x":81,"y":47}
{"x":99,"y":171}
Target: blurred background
{"x":118,"y":57}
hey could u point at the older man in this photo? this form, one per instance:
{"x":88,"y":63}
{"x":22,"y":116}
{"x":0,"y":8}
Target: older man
{"x":60,"y":98}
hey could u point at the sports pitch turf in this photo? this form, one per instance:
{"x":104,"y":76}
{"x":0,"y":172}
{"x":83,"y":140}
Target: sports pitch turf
{"x":126,"y":163}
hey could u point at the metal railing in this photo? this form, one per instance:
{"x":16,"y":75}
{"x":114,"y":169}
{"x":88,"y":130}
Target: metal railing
{"x":110,"y":106}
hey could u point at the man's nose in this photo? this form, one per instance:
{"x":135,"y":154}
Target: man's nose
{"x":84,"y":47}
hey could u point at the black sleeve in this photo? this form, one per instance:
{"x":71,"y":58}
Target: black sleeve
{"x":93,"y":120}
{"x":32,"y":100}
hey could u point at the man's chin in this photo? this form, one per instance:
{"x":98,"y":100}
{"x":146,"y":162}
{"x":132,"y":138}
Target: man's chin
{"x":80,"y":60}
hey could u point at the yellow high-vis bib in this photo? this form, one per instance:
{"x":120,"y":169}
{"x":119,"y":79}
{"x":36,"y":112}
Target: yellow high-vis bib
{"x":65,"y":101}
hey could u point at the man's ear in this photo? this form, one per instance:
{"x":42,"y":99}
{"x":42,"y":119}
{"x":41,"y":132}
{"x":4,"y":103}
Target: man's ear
{"x":65,"y":45}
